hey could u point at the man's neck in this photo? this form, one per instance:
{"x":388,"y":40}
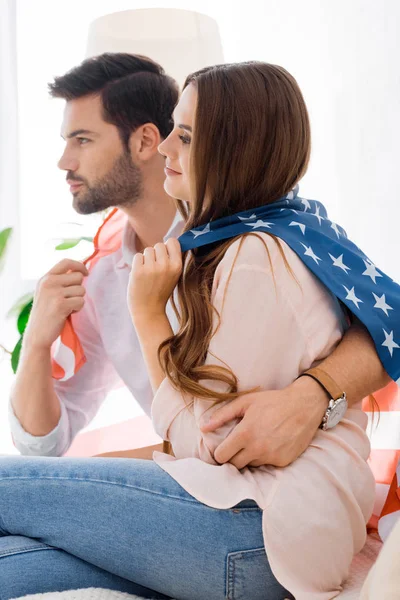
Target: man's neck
{"x":151,"y":217}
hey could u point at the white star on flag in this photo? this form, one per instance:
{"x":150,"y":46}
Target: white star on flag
{"x":335,"y":229}
{"x":301,"y":225}
{"x":371,"y":271}
{"x":338,"y":262}
{"x":248,"y":218}
{"x":389,"y":342}
{"x":259,"y":223}
{"x":309,"y":252}
{"x":202,"y":232}
{"x":381,"y":303}
{"x":306,"y":203}
{"x":316,"y":214}
{"x":351,"y":295}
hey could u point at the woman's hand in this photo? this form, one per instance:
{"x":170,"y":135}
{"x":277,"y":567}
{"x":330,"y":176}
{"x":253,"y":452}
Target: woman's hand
{"x":154,"y":275}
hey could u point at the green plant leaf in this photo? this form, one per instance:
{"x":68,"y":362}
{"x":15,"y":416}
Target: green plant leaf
{"x":5,"y":235}
{"x":72,"y":242}
{"x":17,"y":307}
{"x":16,"y":354}
{"x":23,"y":317}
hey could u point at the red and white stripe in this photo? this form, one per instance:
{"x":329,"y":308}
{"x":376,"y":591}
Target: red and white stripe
{"x":67,"y":352}
{"x":384,"y":433}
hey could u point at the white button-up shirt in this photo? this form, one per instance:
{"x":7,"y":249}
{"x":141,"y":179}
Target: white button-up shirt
{"x":114,"y":358}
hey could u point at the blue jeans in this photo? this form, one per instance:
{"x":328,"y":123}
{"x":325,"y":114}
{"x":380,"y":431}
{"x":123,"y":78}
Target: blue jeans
{"x":124,"y":524}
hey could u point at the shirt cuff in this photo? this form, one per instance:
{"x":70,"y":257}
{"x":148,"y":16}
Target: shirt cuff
{"x":54,"y":443}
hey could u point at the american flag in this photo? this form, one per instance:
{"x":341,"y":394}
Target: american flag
{"x":326,"y":250}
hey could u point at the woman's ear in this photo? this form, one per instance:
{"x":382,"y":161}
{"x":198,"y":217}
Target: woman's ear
{"x":144,"y":142}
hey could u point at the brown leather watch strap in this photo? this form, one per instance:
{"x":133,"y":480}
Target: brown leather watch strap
{"x":167,"y":448}
{"x":325,"y":381}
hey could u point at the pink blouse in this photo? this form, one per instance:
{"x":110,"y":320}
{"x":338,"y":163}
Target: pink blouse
{"x":275,"y":324}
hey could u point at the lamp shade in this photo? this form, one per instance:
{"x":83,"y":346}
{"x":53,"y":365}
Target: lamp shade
{"x":182,"y":41}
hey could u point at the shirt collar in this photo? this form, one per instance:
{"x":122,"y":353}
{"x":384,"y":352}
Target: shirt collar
{"x":128,"y":246}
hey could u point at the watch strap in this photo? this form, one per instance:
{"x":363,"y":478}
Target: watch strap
{"x":167,"y":448}
{"x":326,"y":381}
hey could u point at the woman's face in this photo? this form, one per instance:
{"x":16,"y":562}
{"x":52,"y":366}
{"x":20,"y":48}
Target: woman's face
{"x":176,"y":147}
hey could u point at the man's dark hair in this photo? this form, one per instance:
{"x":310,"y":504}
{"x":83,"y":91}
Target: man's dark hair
{"x":134,"y":90}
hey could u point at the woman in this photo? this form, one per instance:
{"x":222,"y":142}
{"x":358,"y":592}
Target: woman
{"x":240,"y":142}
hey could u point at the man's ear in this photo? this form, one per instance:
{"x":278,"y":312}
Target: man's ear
{"x":144,"y":142}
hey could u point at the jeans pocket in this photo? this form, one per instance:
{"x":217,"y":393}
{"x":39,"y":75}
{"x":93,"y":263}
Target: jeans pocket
{"x":249,"y":576}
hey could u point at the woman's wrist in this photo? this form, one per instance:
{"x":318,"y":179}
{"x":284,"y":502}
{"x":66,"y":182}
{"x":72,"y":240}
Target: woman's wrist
{"x":149,"y":317}
{"x":152,"y":329}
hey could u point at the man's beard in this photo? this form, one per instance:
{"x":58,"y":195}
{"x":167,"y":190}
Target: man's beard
{"x":122,"y":186}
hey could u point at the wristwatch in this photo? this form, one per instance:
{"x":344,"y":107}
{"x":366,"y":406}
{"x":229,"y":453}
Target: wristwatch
{"x":337,"y":405}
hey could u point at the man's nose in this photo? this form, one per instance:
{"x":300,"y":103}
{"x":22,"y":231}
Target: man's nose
{"x":67,"y":163}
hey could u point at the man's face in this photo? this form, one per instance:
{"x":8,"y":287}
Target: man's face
{"x":100,"y":171}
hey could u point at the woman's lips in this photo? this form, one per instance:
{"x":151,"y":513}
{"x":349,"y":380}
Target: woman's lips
{"x":170,"y":172}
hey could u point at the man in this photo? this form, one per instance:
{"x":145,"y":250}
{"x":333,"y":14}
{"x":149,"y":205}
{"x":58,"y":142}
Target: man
{"x":118,"y":110}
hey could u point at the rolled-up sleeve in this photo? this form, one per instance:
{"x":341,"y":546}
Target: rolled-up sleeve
{"x":54,"y":443}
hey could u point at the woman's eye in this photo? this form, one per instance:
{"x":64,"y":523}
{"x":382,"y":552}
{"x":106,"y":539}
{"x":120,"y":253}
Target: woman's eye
{"x":185,"y":139}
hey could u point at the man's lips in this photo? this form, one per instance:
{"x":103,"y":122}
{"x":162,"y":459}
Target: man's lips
{"x":74,"y":184}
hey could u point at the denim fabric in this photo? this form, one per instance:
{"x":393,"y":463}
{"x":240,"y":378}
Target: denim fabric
{"x":124,"y":524}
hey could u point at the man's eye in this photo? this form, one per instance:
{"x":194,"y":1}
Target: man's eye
{"x":82,"y":140}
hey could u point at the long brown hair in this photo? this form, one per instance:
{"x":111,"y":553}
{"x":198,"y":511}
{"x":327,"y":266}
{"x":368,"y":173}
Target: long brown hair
{"x":251,"y":145}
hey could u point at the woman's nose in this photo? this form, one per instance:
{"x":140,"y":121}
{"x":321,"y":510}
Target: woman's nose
{"x":161,"y":148}
{"x":166,"y":148}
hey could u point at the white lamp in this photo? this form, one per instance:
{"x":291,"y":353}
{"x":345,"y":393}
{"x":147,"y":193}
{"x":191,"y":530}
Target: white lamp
{"x":182,"y":41}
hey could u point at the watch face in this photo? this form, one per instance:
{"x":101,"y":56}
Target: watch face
{"x":336,"y":413}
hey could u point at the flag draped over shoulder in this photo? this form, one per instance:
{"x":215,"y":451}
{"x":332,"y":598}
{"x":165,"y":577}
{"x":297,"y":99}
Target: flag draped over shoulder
{"x":325,"y":249}
{"x":372,"y":296}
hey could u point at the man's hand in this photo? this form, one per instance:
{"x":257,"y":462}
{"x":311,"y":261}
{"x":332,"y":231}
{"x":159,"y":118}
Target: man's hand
{"x":58,"y":294}
{"x":275,"y":427}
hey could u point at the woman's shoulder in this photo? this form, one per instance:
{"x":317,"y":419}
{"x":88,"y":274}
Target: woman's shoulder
{"x":267,"y":254}
{"x":256,"y":251}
